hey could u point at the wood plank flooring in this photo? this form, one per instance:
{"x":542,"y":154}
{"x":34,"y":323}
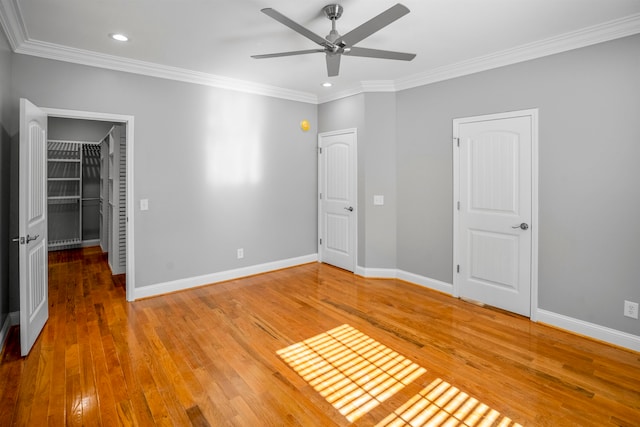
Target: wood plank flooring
{"x":306,"y":346}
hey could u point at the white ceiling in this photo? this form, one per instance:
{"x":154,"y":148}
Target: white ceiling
{"x":210,"y":41}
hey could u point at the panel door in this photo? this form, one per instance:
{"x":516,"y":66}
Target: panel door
{"x":32,"y":224}
{"x":495,"y":211}
{"x":338,"y":215}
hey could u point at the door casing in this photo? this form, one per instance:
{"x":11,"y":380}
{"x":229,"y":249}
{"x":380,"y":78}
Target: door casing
{"x":457,"y":257}
{"x":129,"y":121}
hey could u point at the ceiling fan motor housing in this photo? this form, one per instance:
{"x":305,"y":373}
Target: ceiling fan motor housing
{"x":333,"y":11}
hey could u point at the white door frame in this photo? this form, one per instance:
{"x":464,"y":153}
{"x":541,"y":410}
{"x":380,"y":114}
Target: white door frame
{"x":128,"y":120}
{"x":533,"y":113}
{"x":353,"y":131}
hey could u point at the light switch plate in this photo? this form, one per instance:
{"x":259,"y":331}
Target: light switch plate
{"x":378,"y":200}
{"x":144,"y":204}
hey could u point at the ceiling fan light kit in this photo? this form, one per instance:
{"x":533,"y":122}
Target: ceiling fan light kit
{"x":336,"y":45}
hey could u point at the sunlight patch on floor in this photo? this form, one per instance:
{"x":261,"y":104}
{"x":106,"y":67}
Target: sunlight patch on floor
{"x":441,"y":404}
{"x":355,"y":373}
{"x":352,"y":371}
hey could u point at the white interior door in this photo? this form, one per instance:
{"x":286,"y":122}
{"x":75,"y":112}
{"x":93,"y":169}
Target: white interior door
{"x":337,"y":206}
{"x":494,"y":235}
{"x":32,"y":224}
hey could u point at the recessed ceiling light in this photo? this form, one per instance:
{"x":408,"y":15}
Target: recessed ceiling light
{"x":326,"y":84}
{"x":119,"y":37}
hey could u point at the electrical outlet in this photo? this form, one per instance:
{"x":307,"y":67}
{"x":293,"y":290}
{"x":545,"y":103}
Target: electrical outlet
{"x":631,"y":309}
{"x":241,"y":255}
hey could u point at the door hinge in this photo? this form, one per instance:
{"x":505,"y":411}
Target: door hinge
{"x":458,"y":269}
{"x":320,"y":196}
{"x":321,"y":241}
{"x":456,"y":141}
{"x":320,"y":150}
{"x":458,"y":204}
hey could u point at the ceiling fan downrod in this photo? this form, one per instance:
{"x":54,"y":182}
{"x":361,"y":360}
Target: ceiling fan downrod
{"x":333,"y":12}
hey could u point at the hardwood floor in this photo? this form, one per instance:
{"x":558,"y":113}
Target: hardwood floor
{"x":309,"y":346}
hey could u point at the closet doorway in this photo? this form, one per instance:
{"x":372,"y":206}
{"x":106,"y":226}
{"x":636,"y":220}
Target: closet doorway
{"x":89,"y":172}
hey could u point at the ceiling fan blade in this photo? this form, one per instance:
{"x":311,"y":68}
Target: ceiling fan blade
{"x":294,"y":52}
{"x":377,"y":53}
{"x":374,"y":24}
{"x":295,"y":26}
{"x":333,"y":65}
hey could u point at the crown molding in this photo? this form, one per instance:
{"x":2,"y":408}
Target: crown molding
{"x":16,"y":32}
{"x":12,"y":23}
{"x":364,"y":87}
{"x":378,"y":86}
{"x":588,"y":36}
{"x":334,"y":96}
{"x":94,"y":59}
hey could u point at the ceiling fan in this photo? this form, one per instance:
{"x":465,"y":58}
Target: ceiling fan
{"x":336,"y":45}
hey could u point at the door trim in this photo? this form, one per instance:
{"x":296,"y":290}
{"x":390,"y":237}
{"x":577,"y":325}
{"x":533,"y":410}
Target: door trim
{"x":128,"y":120}
{"x":353,"y":131}
{"x":533,"y":114}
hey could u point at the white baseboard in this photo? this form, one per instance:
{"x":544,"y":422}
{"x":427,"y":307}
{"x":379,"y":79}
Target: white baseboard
{"x":591,"y":330}
{"x":207,"y":279}
{"x":4,"y":331}
{"x":392,"y":273}
{"x":377,"y":273}
{"x":570,"y":324}
{"x":89,"y":243}
{"x":12,"y":319}
{"x":427,"y":282}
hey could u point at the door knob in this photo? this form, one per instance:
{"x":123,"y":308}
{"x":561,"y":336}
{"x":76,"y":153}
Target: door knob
{"x":523,"y":226}
{"x":32,"y":238}
{"x":350,"y":209}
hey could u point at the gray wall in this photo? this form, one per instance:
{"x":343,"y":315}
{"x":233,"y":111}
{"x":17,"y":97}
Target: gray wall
{"x":373,"y":114}
{"x":380,"y":178}
{"x":589,"y":101}
{"x":222,"y":170}
{"x":5,"y":172}
{"x":347,"y":113}
{"x":589,"y":197}
{"x":77,"y":130}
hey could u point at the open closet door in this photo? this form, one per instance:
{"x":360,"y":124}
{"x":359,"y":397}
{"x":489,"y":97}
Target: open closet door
{"x":32,"y":224}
